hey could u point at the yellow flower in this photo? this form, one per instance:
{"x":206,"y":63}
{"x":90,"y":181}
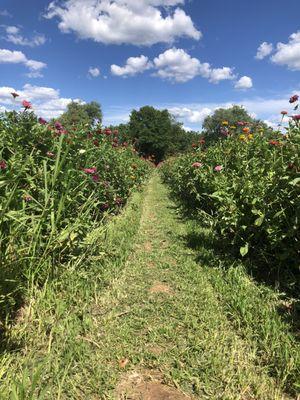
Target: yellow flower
{"x":233,"y":127}
{"x":250,"y":136}
{"x":225,"y":123}
{"x":242,"y":137}
{"x":132,"y":177}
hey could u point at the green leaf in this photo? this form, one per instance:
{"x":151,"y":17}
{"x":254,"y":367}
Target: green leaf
{"x":244,"y":250}
{"x":259,"y":221}
{"x":295,"y":181}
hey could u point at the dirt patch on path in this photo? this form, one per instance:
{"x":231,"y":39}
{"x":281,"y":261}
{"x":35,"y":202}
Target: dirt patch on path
{"x":149,"y":386}
{"x":159,"y":287}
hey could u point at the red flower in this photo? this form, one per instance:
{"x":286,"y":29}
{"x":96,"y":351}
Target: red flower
{"x":274,"y":143}
{"x":96,"y":142}
{"x":3,"y":165}
{"x":99,"y":131}
{"x":294,"y":98}
{"x":107,"y":132}
{"x":105,"y":206}
{"x":115,"y":140}
{"x":202,"y":141}
{"x":90,"y":171}
{"x":42,"y":121}
{"x":58,"y":126}
{"x":14,"y":95}
{"x":194,"y":145}
{"x":115,"y":132}
{"x":26,"y":104}
{"x":296,"y":117}
{"x":95,"y":178}
{"x":284,"y":112}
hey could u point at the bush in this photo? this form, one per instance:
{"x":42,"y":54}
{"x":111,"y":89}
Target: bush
{"x":55,"y":188}
{"x":248,"y":188}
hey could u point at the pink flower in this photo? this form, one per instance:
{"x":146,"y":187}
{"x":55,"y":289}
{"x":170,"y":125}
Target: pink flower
{"x":27,"y":198}
{"x":197,"y":164}
{"x":218,"y":168}
{"x":90,"y":171}
{"x":50,"y":154}
{"x":42,"y":121}
{"x":115,"y":132}
{"x":296,"y":117}
{"x":107,"y":132}
{"x":3,"y":165}
{"x":26,"y":104}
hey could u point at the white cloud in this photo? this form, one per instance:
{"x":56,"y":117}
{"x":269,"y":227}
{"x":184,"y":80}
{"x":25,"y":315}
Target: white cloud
{"x":288,"y":54}
{"x":133,"y":66}
{"x":264,"y":50}
{"x":17,"y":57}
{"x":94,"y":72}
{"x":245,"y":82}
{"x":193,"y":116}
{"x":175,"y":65}
{"x":136,"y":22}
{"x":220,"y":74}
{"x":14,"y":36}
{"x":46,"y":101}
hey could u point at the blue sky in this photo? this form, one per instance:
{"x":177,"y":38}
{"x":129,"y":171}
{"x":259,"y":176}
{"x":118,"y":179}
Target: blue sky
{"x":190,"y":56}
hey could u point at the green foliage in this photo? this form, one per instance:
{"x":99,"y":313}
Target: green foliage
{"x":226,"y":117}
{"x":81,"y":114}
{"x":155,"y":132}
{"x":55,"y":186}
{"x":253,"y":200}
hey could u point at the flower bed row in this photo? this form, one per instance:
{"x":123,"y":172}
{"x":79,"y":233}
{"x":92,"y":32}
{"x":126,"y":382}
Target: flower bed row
{"x":248,"y":188}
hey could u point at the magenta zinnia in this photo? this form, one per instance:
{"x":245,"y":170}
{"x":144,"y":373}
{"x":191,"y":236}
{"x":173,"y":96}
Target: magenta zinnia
{"x":26,"y":104}
{"x":218,"y":168}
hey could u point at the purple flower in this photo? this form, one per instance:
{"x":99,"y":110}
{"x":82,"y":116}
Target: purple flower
{"x":58,"y":126}
{"x":42,"y":121}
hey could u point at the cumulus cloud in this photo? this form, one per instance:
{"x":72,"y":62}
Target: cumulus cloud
{"x":175,"y":65}
{"x":264,"y":50}
{"x":5,"y":13}
{"x":193,"y":116}
{"x":133,"y":66}
{"x":14,"y":36}
{"x":288,"y":53}
{"x":17,"y":57}
{"x":94,"y":72}
{"x":141,"y":22}
{"x":46,"y":101}
{"x":245,"y":82}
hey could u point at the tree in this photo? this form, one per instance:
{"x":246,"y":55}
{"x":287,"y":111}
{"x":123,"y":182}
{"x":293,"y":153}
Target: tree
{"x":156,"y":132}
{"x":81,"y":114}
{"x":213,"y":123}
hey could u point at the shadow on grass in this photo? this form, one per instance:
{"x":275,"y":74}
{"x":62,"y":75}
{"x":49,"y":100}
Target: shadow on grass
{"x":11,"y":301}
{"x":212,"y":251}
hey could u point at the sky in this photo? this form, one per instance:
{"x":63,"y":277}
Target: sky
{"x":189,"y":56}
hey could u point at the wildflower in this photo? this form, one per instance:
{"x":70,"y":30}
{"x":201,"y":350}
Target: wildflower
{"x":242,"y":137}
{"x":224,"y":122}
{"x":3,"y":165}
{"x":133,"y":177}
{"x":116,"y":132}
{"x":26,"y":104}
{"x":99,"y":131}
{"x":27,"y":198}
{"x":96,"y":142}
{"x":119,"y":201}
{"x":115,"y":144}
{"x":50,"y":154}
{"x":232,"y":127}
{"x":284,"y":112}
{"x":14,"y":95}
{"x":58,"y":126}
{"x":202,"y":141}
{"x":294,"y":98}
{"x":218,"y":168}
{"x":105,"y":206}
{"x":246,"y":130}
{"x":197,"y":164}
{"x":224,"y":132}
{"x":95,"y":177}
{"x":42,"y":121}
{"x":107,"y":132}
{"x":241,"y":123}
{"x":296,"y":117}
{"x":250,"y":136}
{"x":125,"y":144}
{"x":274,"y":142}
{"x":90,"y":171}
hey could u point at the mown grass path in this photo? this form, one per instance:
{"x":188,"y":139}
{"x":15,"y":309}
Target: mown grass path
{"x":157,"y":330}
{"x":163,"y":322}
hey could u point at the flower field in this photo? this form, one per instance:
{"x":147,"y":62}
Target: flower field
{"x":247,"y":187}
{"x":56,"y":188}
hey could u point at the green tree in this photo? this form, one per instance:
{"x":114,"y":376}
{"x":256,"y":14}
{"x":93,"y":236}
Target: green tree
{"x":156,"y":132}
{"x":81,"y":114}
{"x":212,"y":124}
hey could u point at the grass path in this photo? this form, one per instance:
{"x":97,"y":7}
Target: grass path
{"x":157,"y":330}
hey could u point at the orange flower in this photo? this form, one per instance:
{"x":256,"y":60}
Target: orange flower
{"x":246,"y":130}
